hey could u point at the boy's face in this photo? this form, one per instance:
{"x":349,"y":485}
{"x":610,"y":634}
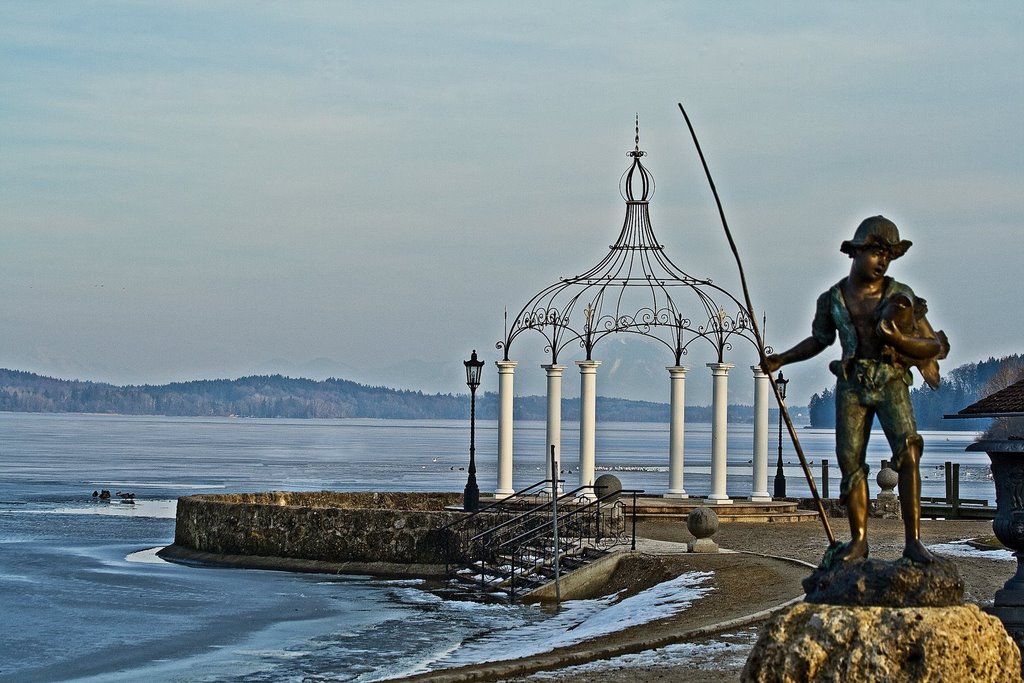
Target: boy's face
{"x":872,"y":262}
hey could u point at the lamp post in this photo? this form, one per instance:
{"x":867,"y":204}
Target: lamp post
{"x":471,"y":496}
{"x":780,"y":478}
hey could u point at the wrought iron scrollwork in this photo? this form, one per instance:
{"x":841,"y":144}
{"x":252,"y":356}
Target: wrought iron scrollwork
{"x":635,"y":289}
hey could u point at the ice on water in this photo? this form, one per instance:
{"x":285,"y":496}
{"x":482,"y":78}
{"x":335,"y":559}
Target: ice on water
{"x":79,"y":577}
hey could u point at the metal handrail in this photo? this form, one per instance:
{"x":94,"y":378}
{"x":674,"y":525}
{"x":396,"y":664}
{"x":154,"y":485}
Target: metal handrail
{"x":545,"y":556}
{"x":496,"y":504}
{"x":529,"y":512}
{"x":516,"y":537}
{"x":575,"y":512}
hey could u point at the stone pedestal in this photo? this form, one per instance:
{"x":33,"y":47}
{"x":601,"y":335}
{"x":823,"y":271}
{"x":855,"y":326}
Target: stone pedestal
{"x":813,"y":642}
{"x":702,"y":523}
{"x":887,"y":504}
{"x":873,"y":620}
{"x":886,"y":507}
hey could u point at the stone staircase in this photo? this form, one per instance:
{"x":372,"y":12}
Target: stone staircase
{"x":511,"y":576}
{"x":512,"y":553}
{"x":509,"y":547}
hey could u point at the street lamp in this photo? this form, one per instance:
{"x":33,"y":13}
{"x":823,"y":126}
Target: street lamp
{"x":471,"y":496}
{"x":780,"y":478}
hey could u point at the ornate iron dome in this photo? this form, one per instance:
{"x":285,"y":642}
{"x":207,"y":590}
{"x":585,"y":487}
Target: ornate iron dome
{"x":635,"y":289}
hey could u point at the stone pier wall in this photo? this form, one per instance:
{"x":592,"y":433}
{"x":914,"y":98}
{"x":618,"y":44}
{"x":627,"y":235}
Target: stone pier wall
{"x":387,"y":530}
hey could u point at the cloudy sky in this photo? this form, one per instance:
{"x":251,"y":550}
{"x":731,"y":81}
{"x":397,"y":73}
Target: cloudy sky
{"x":194,"y":190}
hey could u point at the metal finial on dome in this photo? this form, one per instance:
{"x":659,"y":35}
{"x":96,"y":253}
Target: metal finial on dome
{"x":636,"y":171}
{"x":637,"y":152}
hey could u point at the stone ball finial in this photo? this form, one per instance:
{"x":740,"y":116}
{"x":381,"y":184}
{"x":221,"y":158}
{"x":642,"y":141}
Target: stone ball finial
{"x":886,"y":504}
{"x":887,"y":479}
{"x":702,"y":523}
{"x":608,"y":485}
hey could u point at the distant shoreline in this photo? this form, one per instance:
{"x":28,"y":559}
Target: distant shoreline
{"x":276,"y":396}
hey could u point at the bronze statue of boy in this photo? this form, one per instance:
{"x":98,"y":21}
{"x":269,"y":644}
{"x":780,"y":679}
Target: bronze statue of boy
{"x":883,"y":332}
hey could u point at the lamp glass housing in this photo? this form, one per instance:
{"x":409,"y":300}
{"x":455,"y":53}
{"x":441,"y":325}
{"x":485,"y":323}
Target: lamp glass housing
{"x":474,"y":368}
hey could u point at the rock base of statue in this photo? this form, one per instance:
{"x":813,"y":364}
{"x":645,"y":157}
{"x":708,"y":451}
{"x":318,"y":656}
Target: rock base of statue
{"x":879,"y":583}
{"x":873,"y":620}
{"x":818,"y":642}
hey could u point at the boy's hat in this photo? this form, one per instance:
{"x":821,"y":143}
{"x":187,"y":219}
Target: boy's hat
{"x":877,"y":230}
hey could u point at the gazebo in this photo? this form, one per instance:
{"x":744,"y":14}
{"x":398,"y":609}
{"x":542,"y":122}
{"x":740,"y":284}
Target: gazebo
{"x":636,"y":289}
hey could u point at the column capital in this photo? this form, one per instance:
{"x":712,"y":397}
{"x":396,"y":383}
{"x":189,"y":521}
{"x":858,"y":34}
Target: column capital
{"x":720,"y":368}
{"x":506,"y":365}
{"x":553,"y":369}
{"x":758,"y":372}
{"x":586,"y":365}
{"x":677,"y":370}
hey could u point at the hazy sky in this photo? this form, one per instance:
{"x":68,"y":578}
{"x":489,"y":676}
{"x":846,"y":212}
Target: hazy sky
{"x":193,"y":190}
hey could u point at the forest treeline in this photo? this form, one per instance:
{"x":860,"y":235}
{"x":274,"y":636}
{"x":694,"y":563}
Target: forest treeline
{"x":960,"y":387}
{"x":276,"y":396}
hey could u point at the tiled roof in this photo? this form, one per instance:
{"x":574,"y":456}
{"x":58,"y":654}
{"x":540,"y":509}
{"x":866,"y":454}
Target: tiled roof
{"x":1008,"y":400}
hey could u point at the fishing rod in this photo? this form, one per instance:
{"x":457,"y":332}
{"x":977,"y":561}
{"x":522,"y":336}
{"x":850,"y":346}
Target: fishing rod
{"x":760,"y":344}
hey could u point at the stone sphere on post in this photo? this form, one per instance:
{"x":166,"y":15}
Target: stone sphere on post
{"x":702,"y":523}
{"x":607,"y":485}
{"x":608,"y":489}
{"x":887,"y":479}
{"x":887,"y":504}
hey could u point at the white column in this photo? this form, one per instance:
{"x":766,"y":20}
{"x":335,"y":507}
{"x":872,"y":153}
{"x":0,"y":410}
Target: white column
{"x":676,"y":431}
{"x":759,"y":487}
{"x":719,"y":432}
{"x":588,"y":421}
{"x":506,"y":374}
{"x":554,"y":432}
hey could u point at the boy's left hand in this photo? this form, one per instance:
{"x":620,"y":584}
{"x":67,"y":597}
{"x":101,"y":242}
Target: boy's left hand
{"x":890,"y":332}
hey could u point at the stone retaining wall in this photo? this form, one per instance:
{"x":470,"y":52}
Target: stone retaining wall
{"x":390,"y":529}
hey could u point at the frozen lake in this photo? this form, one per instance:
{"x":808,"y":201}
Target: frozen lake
{"x":85,"y":598}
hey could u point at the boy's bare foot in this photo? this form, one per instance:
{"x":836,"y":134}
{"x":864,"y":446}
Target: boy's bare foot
{"x":916,"y":552}
{"x":854,"y":550}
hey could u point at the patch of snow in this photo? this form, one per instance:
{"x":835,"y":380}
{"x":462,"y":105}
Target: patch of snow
{"x":579,"y":620}
{"x":148,"y":556}
{"x":694,"y":655}
{"x":964,"y":549}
